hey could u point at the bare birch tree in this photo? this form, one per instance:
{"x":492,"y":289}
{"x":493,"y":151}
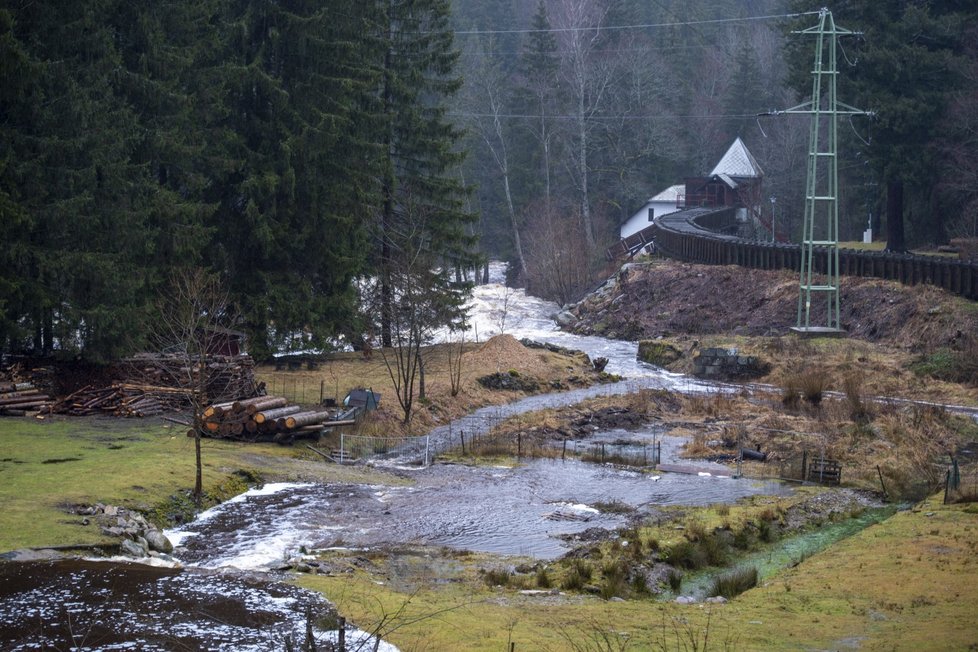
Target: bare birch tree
{"x":489,"y":86}
{"x":423,"y":299}
{"x":193,"y":317}
{"x":588,"y":75}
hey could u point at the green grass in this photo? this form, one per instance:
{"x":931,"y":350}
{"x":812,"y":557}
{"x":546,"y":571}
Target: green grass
{"x":906,"y":583}
{"x":134,"y":463}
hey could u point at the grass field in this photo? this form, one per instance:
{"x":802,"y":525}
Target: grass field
{"x":905,"y":584}
{"x":48,"y":466}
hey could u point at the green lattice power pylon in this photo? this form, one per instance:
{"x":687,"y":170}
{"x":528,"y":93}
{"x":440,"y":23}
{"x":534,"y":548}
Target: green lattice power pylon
{"x":820,"y":274}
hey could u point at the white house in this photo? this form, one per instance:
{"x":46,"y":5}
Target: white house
{"x":735,"y":181}
{"x":662,"y":204}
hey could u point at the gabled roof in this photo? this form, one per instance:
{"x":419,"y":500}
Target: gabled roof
{"x":670,"y":194}
{"x":738,"y":162}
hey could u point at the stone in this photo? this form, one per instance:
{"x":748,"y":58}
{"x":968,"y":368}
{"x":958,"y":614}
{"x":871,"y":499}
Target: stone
{"x":717,"y":599}
{"x":565,"y":319}
{"x":658,"y":353}
{"x":157,"y":541}
{"x":130,"y":548}
{"x":110,"y":510}
{"x":685,"y":599}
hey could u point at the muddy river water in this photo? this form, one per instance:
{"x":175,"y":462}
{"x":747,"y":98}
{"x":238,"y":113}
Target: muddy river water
{"x":224,"y":600}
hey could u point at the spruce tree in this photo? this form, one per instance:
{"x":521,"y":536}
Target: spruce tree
{"x":74,"y":184}
{"x":289,"y":178}
{"x":419,"y":155}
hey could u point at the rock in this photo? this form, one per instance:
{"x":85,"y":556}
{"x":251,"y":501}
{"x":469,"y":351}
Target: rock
{"x":685,"y":599}
{"x":130,"y":548}
{"x":565,"y":319}
{"x":658,"y":353}
{"x":718,"y":599}
{"x":600,"y":364}
{"x":157,"y":541}
{"x":110,"y":510}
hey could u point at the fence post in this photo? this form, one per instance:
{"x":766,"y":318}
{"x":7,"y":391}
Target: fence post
{"x":804,"y":465}
{"x":341,"y":635}
{"x":342,"y":449}
{"x":427,"y":444}
{"x":563,"y":454}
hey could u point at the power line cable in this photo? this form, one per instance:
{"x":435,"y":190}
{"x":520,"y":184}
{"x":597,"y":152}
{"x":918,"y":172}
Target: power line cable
{"x":596,"y":28}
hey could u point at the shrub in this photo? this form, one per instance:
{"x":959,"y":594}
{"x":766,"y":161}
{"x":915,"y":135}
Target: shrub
{"x":675,"y":579}
{"x":613,"y":579}
{"x":766,"y":531}
{"x":543,"y":579}
{"x":496,"y":577}
{"x":852,"y":386}
{"x":790,"y":396}
{"x":578,"y":575}
{"x":734,"y":583}
{"x":687,"y":555}
{"x":715,"y":549}
{"x":812,"y":384}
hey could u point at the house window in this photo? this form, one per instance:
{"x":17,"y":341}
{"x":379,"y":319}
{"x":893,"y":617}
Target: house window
{"x":651,"y":215}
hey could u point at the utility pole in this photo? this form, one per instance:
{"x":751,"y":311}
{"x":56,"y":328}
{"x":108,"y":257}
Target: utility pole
{"x":821,"y":226}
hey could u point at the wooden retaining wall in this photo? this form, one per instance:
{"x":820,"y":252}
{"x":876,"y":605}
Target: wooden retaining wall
{"x":696,"y":236}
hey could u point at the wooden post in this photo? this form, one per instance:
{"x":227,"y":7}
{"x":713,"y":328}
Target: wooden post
{"x":341,"y":635}
{"x":886,"y":495}
{"x":804,"y":464}
{"x":322,"y":388}
{"x":461,"y":436}
{"x":519,"y":445}
{"x":563,"y":454}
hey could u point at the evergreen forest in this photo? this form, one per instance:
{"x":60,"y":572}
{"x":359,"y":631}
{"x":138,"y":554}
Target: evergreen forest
{"x":333,"y":161}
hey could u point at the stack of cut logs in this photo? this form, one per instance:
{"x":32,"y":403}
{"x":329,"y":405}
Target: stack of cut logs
{"x":226,"y":376}
{"x":17,"y":399}
{"x":122,"y":400}
{"x":266,"y":418}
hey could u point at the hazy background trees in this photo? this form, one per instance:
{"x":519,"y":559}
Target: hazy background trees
{"x":600,"y":104}
{"x":280,"y":144}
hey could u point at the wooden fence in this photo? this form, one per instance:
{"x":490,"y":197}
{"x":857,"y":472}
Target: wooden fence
{"x":697,"y":236}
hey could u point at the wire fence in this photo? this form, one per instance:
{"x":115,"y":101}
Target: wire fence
{"x":304,"y":391}
{"x":404,"y":450}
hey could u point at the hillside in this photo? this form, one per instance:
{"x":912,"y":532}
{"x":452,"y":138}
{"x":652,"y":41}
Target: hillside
{"x":910,"y":342}
{"x":664,"y":298}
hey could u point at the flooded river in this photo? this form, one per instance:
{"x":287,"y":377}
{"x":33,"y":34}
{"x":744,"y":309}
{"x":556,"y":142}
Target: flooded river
{"x":224,"y":600}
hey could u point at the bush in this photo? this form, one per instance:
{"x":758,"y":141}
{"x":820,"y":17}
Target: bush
{"x":496,"y":577}
{"x":859,"y":412}
{"x":687,"y":555}
{"x":812,"y":384}
{"x":675,"y":579}
{"x":613,"y":579}
{"x":543,"y":579}
{"x":734,"y":583}
{"x":578,"y":575}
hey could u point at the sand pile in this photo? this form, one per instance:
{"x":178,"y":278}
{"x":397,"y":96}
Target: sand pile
{"x":504,"y":352}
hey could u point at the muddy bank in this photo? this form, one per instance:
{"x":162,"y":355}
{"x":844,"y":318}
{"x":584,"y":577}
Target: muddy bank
{"x":78,"y":604}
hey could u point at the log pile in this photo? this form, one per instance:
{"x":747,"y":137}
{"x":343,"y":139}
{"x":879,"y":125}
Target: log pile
{"x":18,"y":399}
{"x":122,"y":400}
{"x":226,"y":377}
{"x":266,"y":418}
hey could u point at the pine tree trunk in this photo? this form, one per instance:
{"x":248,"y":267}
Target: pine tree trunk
{"x":895,"y":241}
